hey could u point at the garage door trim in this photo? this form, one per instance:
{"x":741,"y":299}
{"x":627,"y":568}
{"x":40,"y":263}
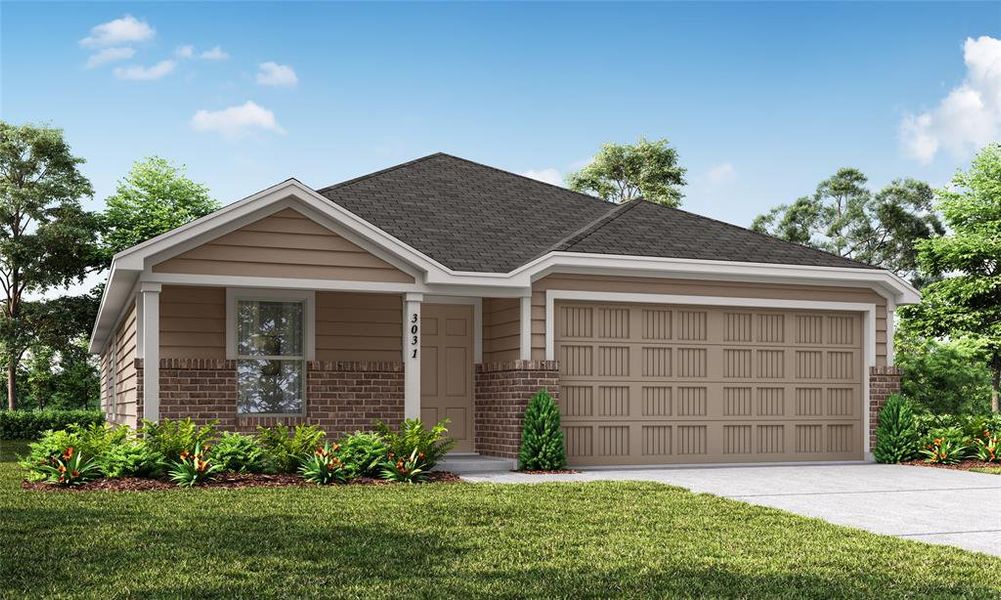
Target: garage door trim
{"x":868,"y":322}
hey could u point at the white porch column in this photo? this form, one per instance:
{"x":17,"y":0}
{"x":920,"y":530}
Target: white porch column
{"x":412,"y":355}
{"x":150,"y":326}
{"x":526,"y":328}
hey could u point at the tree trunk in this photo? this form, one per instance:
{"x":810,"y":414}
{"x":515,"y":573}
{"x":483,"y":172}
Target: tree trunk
{"x":995,"y":381}
{"x":11,"y":384}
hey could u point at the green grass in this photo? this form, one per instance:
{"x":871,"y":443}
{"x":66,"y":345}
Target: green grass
{"x":988,"y":470}
{"x":458,"y":540}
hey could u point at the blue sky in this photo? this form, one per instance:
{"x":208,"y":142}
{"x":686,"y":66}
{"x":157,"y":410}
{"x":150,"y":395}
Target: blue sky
{"x":762,"y":101}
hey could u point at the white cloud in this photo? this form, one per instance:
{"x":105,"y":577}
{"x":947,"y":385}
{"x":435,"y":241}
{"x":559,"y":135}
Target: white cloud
{"x":272,"y":73}
{"x":721,"y":174}
{"x":125,"y":30}
{"x":184,"y":51}
{"x":552,"y":176}
{"x":107,"y":55}
{"x":141,"y":73}
{"x":969,"y":116}
{"x":236,"y":121}
{"x":216,"y":53}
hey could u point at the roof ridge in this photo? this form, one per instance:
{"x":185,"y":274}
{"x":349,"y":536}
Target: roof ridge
{"x":594,"y":225}
{"x":767,"y":236}
{"x":526,"y":177}
{"x":353,"y":180}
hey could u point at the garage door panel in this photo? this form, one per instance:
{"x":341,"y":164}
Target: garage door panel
{"x":647,"y":384}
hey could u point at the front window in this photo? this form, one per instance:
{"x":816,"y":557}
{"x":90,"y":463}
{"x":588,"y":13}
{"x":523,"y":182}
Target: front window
{"x":270,"y":354}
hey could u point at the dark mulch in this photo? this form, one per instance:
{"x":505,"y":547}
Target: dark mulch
{"x":225,"y":481}
{"x":964,"y":465}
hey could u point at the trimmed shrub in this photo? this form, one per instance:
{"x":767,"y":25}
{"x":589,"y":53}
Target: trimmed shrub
{"x":31,"y":424}
{"x":897,"y":434}
{"x":542,"y":446}
{"x":131,"y":458}
{"x":285,"y":449}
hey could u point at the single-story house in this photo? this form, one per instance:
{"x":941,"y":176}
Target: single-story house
{"x":443,"y":288}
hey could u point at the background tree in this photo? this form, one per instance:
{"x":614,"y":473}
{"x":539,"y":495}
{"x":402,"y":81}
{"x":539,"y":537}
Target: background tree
{"x":154,"y":198}
{"x":843,"y":217}
{"x":623,"y":172}
{"x":967,"y":301}
{"x":47,"y":240}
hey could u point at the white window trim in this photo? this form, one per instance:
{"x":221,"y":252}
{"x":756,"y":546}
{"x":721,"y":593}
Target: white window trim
{"x":308,"y":297}
{"x":868,"y":324}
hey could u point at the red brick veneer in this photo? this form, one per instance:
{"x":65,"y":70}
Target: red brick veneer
{"x":340,"y":396}
{"x":501,"y":396}
{"x":883,"y":383}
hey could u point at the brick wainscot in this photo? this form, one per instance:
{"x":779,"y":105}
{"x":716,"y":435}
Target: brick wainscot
{"x":341,"y":397}
{"x":501,"y":396}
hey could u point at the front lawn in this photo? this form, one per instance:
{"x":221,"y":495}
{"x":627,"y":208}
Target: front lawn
{"x":458,"y":540}
{"x":988,"y":470}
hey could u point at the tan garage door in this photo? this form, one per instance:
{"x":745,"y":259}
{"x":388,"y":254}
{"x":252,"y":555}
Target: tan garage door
{"x":656,"y":384}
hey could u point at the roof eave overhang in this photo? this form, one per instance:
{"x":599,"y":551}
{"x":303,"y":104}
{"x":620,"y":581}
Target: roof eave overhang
{"x":133,"y":265}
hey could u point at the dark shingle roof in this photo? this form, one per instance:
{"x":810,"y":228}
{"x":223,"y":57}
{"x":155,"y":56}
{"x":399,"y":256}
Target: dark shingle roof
{"x":467,"y":216}
{"x":471,"y":217}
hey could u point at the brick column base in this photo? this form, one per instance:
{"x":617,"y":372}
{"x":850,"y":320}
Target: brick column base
{"x":883,"y":383}
{"x":501,"y":395}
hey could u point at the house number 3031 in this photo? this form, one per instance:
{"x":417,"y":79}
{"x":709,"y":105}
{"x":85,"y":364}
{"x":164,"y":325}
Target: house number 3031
{"x":414,"y":338}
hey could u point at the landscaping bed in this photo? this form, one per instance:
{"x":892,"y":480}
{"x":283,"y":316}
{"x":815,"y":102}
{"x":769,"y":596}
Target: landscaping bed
{"x":978,"y":466}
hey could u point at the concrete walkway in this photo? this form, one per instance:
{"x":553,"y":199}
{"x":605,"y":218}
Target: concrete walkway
{"x":938,"y":506}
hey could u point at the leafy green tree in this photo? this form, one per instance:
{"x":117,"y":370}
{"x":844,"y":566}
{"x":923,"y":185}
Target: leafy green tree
{"x":967,"y":301}
{"x":623,"y":172}
{"x":541,"y":438}
{"x":944,"y":376}
{"x":845,"y":218}
{"x":47,"y":240}
{"x":154,"y":198}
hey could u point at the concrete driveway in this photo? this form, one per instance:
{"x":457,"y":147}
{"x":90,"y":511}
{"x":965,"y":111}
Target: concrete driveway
{"x":938,"y":506}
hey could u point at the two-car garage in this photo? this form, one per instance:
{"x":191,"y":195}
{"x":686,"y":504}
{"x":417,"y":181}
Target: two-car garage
{"x":678,"y":384}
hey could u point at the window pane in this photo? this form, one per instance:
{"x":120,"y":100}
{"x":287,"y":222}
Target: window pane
{"x":269,"y":328}
{"x":270,"y":386}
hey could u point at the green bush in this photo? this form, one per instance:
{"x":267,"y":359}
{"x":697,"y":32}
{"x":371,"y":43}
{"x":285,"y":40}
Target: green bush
{"x":946,"y":446}
{"x":897,"y":434}
{"x":241,"y":453}
{"x":323,"y":466}
{"x":362,"y":453}
{"x":131,"y":457}
{"x":172,"y":438}
{"x":31,"y":424}
{"x":542,"y":446}
{"x":945,"y":377}
{"x":194,"y":467}
{"x":286,"y":450}
{"x":428,"y":446}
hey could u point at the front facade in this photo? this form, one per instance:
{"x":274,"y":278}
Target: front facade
{"x":446,"y":289}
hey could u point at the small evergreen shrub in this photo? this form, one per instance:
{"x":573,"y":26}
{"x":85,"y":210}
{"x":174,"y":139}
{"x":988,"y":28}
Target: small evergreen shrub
{"x":131,"y":458}
{"x":241,"y":453}
{"x":897,"y":434}
{"x":31,"y":424}
{"x":542,"y":446}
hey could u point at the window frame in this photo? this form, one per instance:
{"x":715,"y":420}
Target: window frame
{"x":308,"y":298}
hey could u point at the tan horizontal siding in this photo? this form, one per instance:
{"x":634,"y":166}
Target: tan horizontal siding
{"x":357,"y":326}
{"x":124,"y":405}
{"x":285,"y":244}
{"x":192,"y":322}
{"x":501,"y":329}
{"x":650,"y":285}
